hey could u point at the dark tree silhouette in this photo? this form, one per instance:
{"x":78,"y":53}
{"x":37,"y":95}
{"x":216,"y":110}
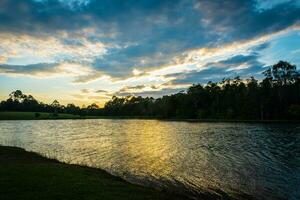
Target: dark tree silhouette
{"x":282,"y":73}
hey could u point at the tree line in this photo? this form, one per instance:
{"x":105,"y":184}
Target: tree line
{"x":18,"y":101}
{"x":277,"y":96}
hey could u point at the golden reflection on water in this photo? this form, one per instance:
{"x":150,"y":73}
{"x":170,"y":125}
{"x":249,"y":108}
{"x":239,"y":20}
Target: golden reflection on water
{"x":234,"y":158}
{"x":150,"y":148}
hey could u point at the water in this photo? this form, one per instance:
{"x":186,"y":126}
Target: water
{"x":236,"y":159}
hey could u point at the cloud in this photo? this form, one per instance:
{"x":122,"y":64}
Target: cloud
{"x":154,"y":94}
{"x":3,"y":59}
{"x":49,"y":16}
{"x":239,"y":19}
{"x":268,"y":4}
{"x":92,"y":96}
{"x":239,"y":65}
{"x":85,"y":91}
{"x":80,"y":73}
{"x":54,"y":48}
{"x":100,"y":91}
{"x":156,"y":31}
{"x":132,"y":88}
{"x":155,"y":89}
{"x":88,"y":77}
{"x":193,"y":60}
{"x":30,"y":70}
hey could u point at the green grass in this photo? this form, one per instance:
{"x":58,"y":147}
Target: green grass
{"x":26,"y":175}
{"x":42,"y":115}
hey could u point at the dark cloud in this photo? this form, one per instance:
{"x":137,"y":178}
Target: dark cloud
{"x":260,"y":47}
{"x":87,"y":77}
{"x":52,"y":15}
{"x":120,"y":63}
{"x":237,"y":60}
{"x":187,"y":22}
{"x":36,"y":17}
{"x":229,"y":20}
{"x":154,"y":94}
{"x":85,"y":91}
{"x":29,"y":69}
{"x":229,"y":68}
{"x":240,"y":19}
{"x":137,"y":87}
{"x":48,"y":69}
{"x":100,"y":91}
{"x":160,"y":93}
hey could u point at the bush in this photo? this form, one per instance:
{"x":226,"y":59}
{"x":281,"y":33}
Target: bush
{"x":294,"y":111}
{"x":37,"y":115}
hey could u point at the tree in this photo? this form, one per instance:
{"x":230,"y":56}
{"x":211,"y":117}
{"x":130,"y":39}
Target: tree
{"x":17,"y":96}
{"x":93,"y":107}
{"x":282,"y":73}
{"x":72,"y":109}
{"x":55,"y":104}
{"x":56,"y":107}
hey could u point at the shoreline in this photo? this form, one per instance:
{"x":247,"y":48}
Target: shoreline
{"x":61,"y":116}
{"x":28,"y":175}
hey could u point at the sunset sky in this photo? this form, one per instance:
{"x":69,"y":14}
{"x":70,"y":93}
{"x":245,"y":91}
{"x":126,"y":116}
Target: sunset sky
{"x":86,"y":51}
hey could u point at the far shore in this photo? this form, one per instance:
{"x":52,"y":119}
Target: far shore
{"x":60,"y":116}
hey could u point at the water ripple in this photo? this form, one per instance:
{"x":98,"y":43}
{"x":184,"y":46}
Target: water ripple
{"x":233,"y":160}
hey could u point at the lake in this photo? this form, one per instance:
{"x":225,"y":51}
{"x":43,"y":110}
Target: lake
{"x":234,"y":159}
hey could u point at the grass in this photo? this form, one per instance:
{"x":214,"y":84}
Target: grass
{"x":26,"y":175}
{"x":40,"y":115}
{"x":8,"y":115}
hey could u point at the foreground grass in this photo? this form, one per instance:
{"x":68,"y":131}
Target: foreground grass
{"x":40,"y":115}
{"x":26,"y":175}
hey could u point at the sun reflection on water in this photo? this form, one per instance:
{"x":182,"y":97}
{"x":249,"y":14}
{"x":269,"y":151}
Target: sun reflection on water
{"x":245,"y":159}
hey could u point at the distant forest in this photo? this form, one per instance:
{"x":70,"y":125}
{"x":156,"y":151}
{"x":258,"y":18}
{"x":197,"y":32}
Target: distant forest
{"x":276,"y":97}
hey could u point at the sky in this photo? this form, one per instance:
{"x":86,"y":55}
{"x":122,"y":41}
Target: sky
{"x":86,"y":51}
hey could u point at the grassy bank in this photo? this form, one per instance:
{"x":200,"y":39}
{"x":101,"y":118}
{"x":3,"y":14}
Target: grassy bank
{"x":39,"y":115}
{"x":233,"y":120}
{"x":26,"y":175}
{"x":4,"y":115}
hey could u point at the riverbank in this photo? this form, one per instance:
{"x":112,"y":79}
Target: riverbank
{"x":5,"y":115}
{"x":27,"y":175}
{"x":50,"y":116}
{"x":233,"y":120}
{"x":40,"y":116}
